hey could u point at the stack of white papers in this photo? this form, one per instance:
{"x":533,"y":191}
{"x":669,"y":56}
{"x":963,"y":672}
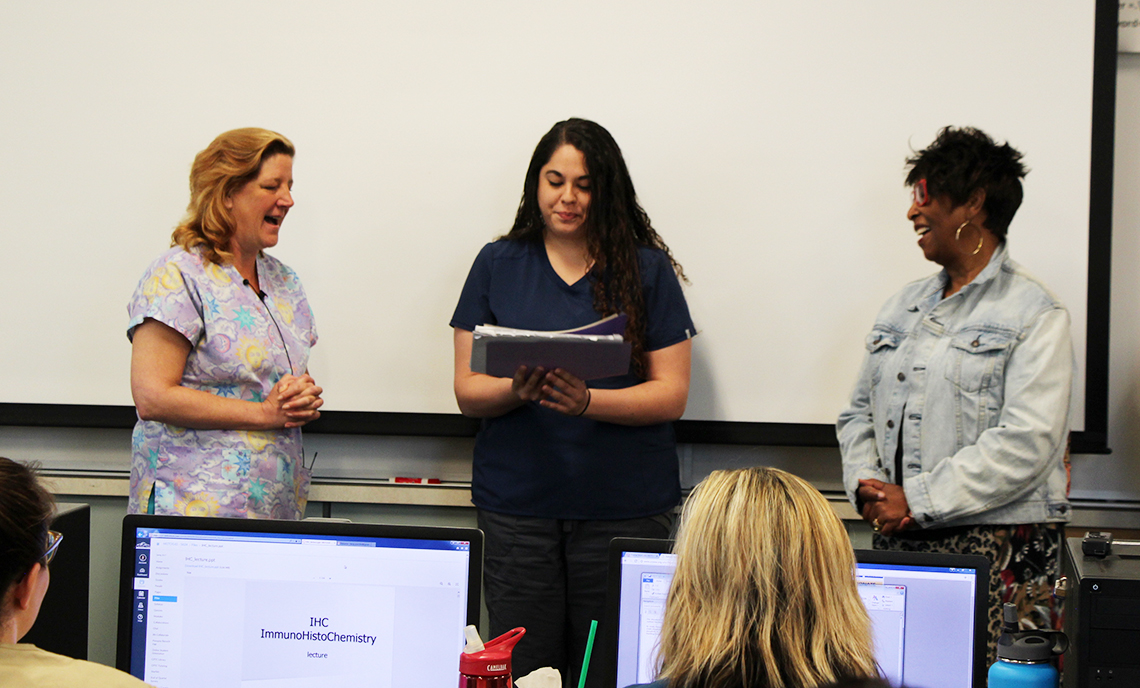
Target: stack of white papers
{"x":589,"y":352}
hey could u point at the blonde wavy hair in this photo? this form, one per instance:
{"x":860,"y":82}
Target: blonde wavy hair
{"x":764,"y":592}
{"x":227,"y":164}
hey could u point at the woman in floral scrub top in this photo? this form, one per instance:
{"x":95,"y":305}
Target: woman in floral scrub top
{"x":220,"y":338}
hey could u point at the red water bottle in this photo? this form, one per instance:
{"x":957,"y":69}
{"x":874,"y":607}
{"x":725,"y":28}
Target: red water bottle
{"x":491,"y":666}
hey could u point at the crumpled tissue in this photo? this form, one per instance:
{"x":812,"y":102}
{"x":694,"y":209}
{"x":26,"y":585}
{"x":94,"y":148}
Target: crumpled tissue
{"x":545,"y":677}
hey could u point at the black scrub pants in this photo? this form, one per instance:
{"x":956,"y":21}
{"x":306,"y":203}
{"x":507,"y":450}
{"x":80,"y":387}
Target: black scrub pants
{"x":549,"y":576}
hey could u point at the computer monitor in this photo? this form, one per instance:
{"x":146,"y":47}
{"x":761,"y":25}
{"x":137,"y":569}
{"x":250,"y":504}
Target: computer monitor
{"x":929,"y":613}
{"x":275,"y":604}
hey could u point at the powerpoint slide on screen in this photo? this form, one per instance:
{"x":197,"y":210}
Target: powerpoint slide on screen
{"x":261,"y":612}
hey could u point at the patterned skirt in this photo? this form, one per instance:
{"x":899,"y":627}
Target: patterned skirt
{"x":1024,"y":563}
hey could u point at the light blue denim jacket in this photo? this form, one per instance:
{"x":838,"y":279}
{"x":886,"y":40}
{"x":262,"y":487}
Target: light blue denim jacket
{"x":985,"y":377}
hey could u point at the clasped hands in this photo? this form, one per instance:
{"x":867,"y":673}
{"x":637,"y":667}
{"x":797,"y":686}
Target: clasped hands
{"x":884,"y":506}
{"x":294,"y":401}
{"x":557,"y":389}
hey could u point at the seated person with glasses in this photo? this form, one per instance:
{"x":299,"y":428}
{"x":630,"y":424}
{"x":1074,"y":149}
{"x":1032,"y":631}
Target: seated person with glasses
{"x":26,"y":550}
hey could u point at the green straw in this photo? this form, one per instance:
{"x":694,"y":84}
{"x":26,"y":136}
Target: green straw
{"x":589,"y":649}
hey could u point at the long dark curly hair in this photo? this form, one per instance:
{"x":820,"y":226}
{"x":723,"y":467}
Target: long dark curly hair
{"x":616,"y":224}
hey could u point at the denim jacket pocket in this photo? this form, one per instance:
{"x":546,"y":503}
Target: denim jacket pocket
{"x":977,"y":359}
{"x":880,"y":343}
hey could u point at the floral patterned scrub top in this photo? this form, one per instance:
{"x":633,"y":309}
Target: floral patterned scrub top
{"x":237,"y":351}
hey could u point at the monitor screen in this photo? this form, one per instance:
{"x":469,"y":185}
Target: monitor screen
{"x":270,"y":604}
{"x":928,"y":613}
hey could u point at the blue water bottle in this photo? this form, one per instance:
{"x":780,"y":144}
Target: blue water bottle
{"x":1025,"y":658}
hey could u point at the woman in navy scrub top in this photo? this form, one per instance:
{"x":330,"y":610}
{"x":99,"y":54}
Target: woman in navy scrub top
{"x":562,"y":467}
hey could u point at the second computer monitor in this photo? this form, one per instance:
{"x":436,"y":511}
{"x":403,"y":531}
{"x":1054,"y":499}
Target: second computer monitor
{"x":928,"y":613}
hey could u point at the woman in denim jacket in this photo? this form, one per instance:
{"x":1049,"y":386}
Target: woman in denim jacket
{"x":956,"y":436}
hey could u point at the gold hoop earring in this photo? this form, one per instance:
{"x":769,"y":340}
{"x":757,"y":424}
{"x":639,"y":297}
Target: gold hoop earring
{"x":981,"y":237}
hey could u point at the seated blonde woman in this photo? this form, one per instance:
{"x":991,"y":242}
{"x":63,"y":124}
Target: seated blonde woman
{"x":764,"y":592}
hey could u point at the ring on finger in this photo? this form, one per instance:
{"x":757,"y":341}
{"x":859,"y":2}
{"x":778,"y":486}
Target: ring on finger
{"x":876,"y":526}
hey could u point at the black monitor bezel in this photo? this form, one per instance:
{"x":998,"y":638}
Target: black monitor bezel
{"x":619,"y":546}
{"x":307,"y":527}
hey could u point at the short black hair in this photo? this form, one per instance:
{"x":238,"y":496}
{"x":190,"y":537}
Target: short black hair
{"x":964,"y":159}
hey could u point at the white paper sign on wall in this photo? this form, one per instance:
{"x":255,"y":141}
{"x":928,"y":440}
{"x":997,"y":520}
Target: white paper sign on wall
{"x":1129,"y":23}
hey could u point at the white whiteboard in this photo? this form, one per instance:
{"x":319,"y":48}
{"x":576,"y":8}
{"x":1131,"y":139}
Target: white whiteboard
{"x":766,"y":141}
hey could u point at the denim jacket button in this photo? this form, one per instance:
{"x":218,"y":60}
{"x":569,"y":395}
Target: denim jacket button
{"x":890,"y":424}
{"x":877,"y":340}
{"x":975,"y":343}
{"x":902,"y":377}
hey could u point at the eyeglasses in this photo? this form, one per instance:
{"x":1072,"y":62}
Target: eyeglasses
{"x":920,"y":194}
{"x":53,"y":540}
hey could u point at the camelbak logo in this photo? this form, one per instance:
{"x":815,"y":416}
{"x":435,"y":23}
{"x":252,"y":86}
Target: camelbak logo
{"x":496,"y":667}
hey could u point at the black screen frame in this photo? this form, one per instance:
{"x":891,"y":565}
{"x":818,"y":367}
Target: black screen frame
{"x":1093,"y":439}
{"x":980,"y":565}
{"x":308,"y":527}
